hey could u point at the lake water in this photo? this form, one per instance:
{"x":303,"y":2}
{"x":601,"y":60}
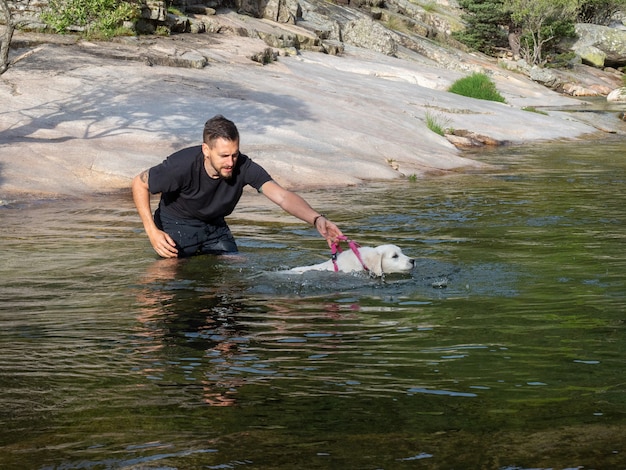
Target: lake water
{"x":504,"y":349}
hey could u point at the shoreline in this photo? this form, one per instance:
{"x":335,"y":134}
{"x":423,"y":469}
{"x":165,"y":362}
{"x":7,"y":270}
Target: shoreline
{"x":81,"y":123}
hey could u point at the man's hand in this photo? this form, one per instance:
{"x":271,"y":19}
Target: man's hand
{"x":163,"y":244}
{"x":328,"y":230}
{"x":160,"y":241}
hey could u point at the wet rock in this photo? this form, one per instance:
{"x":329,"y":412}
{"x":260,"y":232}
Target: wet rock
{"x":464,"y":139}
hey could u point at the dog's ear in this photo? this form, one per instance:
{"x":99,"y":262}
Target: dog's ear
{"x":374,"y":262}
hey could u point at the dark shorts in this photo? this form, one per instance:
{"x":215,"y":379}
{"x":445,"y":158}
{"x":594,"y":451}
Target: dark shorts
{"x":194,"y":237}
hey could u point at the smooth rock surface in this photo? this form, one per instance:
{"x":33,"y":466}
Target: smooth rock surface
{"x":82,"y":117}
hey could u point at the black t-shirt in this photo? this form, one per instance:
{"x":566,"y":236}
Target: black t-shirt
{"x":188,"y":192}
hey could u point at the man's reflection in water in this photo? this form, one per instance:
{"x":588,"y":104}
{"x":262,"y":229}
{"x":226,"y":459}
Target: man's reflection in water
{"x":189,"y":330}
{"x":196,"y":333}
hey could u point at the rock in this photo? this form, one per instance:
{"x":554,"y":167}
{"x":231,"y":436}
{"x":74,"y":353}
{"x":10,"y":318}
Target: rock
{"x":193,"y":60}
{"x":326,"y":19}
{"x":177,"y":24}
{"x":436,"y":23}
{"x":312,"y":120}
{"x":578,"y":90}
{"x":596,"y":40}
{"x":200,"y":10}
{"x":266,"y":56}
{"x":600,"y":90}
{"x":465,"y":139}
{"x":290,"y":52}
{"x":276,"y":35}
{"x":618,"y":95}
{"x":591,"y":55}
{"x":282,"y":11}
{"x":368,"y":34}
{"x":545,"y":76}
{"x":196,"y":26}
{"x":155,"y":10}
{"x":333,"y":47}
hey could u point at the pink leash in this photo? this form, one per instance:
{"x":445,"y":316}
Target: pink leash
{"x":336,"y":249}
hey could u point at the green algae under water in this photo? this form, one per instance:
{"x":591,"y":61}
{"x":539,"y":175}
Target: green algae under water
{"x":504,"y":349}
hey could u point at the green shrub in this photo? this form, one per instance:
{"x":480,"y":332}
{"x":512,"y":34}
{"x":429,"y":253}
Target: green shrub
{"x":564,"y":60}
{"x":97,"y":18}
{"x":477,"y":85}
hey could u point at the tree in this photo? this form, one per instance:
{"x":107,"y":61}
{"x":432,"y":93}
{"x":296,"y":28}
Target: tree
{"x":7,"y":36}
{"x":599,"y":11}
{"x":485,"y":20}
{"x":541,"y":22}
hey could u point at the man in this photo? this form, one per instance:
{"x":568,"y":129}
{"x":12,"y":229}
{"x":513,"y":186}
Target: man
{"x":200,"y":186}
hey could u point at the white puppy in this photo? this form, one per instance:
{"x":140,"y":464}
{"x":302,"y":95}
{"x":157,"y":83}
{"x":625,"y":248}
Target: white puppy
{"x":383,"y":259}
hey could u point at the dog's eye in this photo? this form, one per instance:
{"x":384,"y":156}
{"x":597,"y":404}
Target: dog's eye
{"x":395,"y":255}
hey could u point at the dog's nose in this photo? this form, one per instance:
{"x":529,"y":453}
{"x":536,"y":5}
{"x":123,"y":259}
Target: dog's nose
{"x":412,"y":261}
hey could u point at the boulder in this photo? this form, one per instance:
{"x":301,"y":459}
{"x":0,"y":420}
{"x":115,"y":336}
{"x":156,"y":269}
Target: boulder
{"x":154,"y":10}
{"x":368,"y":34}
{"x":591,"y":55}
{"x":545,"y":76}
{"x":575,"y":89}
{"x":618,"y":95}
{"x":595,"y":40}
{"x":282,"y":11}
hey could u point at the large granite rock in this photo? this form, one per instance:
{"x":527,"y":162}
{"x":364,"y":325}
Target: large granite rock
{"x":311,"y":119}
{"x":370,"y":35}
{"x":600,"y":45}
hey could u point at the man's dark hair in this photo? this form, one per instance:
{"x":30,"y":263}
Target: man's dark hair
{"x":218,"y":126}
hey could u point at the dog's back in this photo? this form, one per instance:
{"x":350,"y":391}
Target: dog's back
{"x":378,"y":260}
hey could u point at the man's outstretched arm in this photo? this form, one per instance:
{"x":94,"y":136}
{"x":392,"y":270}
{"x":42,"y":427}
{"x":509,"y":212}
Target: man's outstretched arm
{"x":295,"y":205}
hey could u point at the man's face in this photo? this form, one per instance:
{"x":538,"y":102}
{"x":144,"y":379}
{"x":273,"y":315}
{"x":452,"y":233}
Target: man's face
{"x":220,"y":160}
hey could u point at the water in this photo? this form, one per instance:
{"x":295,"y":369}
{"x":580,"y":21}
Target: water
{"x":504,"y":349}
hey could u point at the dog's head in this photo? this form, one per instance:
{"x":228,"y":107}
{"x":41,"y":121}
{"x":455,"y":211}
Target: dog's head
{"x":388,"y":259}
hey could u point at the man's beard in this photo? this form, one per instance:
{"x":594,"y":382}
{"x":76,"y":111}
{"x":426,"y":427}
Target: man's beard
{"x":228,"y":174}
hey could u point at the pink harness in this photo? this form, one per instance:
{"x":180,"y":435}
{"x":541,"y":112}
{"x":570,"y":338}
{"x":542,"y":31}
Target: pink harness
{"x":336,"y":249}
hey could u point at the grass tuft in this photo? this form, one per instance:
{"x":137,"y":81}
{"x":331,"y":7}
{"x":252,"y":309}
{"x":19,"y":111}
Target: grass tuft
{"x":477,"y":85}
{"x":435,"y":123}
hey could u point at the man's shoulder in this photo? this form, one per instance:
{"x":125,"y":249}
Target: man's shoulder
{"x":252,"y":173}
{"x":187,"y":153}
{"x":247,"y":162}
{"x":243,"y":160}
